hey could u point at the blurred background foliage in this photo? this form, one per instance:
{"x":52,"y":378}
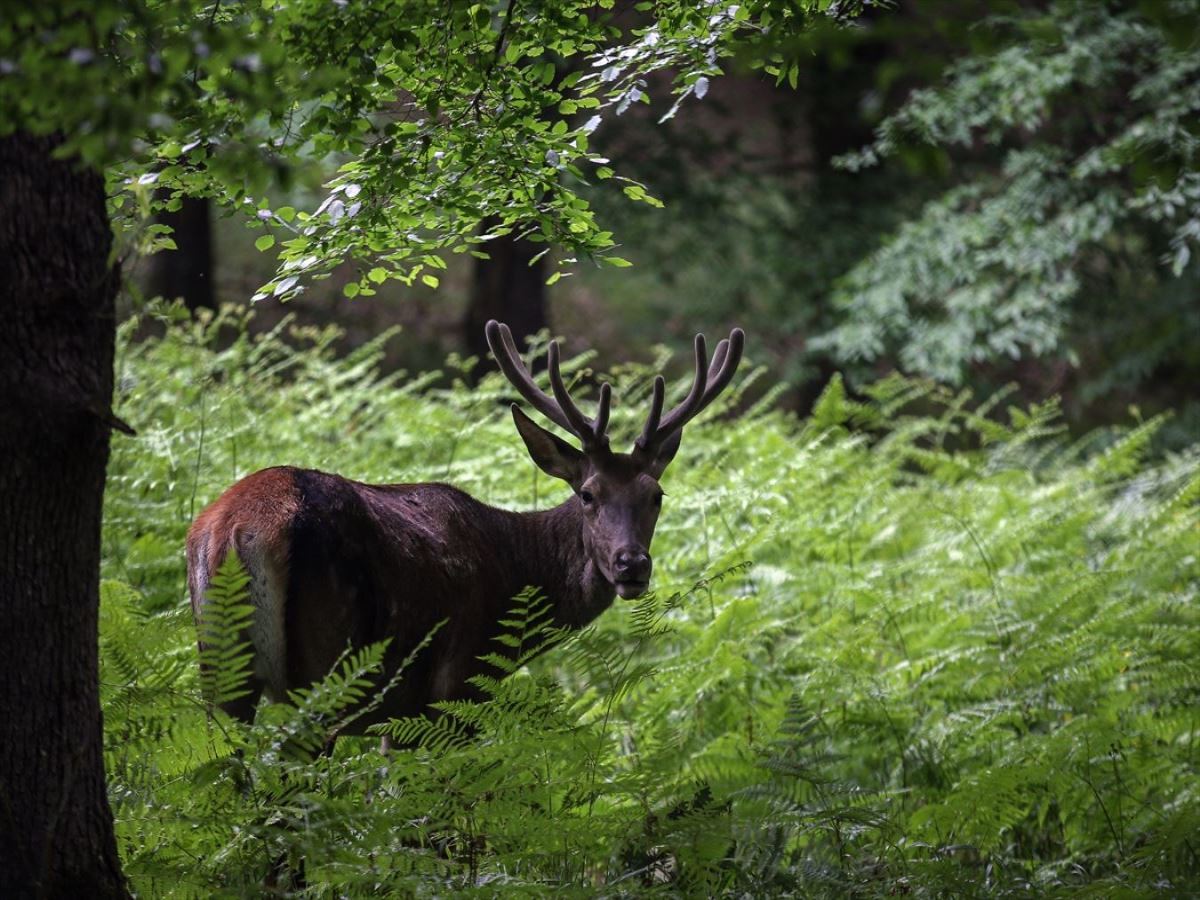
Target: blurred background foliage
{"x":981,"y":192}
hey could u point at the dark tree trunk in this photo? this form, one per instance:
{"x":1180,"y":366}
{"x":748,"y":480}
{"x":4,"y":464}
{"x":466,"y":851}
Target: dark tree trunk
{"x":57,"y":288}
{"x":187,"y":271}
{"x":506,"y":287}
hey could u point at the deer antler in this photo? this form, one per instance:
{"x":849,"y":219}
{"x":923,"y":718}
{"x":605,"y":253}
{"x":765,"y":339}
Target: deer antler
{"x":707,"y":383}
{"x":559,"y":409}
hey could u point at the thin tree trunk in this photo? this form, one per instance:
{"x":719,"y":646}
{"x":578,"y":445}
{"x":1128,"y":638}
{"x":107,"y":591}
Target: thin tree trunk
{"x":508,"y":288}
{"x":57,"y":288}
{"x":187,"y":271}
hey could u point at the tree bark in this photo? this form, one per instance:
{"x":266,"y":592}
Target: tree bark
{"x":187,"y":271}
{"x":57,"y":290}
{"x":506,"y":287}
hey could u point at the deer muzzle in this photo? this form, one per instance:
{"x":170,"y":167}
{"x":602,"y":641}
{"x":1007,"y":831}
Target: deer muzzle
{"x":631,"y":571}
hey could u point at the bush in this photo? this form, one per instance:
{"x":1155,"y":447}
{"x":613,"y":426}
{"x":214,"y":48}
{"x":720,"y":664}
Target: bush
{"x":890,"y":652}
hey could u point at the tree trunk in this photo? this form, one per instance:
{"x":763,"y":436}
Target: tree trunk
{"x":187,"y":271}
{"x":57,"y":289}
{"x":506,"y":287}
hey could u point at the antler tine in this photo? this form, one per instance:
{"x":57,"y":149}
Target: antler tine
{"x":579,"y":423}
{"x":601,"y":423}
{"x":504,"y":349}
{"x":656,"y":408}
{"x":718,"y":359}
{"x":691,"y":403}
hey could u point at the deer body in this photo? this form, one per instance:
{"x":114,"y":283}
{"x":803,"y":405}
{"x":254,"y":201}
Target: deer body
{"x":339,"y":563}
{"x":335,"y":563}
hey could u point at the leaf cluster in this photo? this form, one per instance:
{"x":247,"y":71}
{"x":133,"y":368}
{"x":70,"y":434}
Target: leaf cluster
{"x":1070,"y":131}
{"x":434,"y":116}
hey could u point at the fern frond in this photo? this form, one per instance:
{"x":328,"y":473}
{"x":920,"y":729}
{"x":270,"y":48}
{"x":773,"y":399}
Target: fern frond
{"x":226,"y":655}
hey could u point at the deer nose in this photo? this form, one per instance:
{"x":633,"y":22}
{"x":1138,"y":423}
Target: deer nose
{"x":632,"y":565}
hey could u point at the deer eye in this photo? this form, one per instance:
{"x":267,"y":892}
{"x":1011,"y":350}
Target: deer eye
{"x":587,"y":498}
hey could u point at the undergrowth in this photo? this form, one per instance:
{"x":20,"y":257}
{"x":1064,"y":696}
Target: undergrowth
{"x":914,"y":645}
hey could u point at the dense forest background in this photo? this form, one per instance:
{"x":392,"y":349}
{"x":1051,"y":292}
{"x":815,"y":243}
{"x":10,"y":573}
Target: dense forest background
{"x":924,"y":613}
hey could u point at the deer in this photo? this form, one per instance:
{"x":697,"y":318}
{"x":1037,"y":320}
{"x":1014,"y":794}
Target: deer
{"x":335,"y":563}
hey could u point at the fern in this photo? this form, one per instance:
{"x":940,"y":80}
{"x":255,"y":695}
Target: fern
{"x":226,"y":656}
{"x":962,"y":663}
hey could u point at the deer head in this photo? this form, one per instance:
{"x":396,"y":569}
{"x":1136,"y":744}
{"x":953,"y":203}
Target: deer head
{"x":618,"y":493}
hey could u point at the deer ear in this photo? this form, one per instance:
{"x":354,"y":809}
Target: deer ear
{"x":665,"y":454}
{"x":553,"y":455}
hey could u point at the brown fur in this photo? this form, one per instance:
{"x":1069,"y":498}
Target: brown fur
{"x":363,"y":563}
{"x":257,"y":509}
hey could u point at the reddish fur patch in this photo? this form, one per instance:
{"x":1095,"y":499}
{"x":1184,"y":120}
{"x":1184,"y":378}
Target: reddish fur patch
{"x":255,"y":516}
{"x":259,"y":508}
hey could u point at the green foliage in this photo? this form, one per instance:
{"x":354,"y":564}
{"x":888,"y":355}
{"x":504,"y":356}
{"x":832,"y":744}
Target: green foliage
{"x":962,"y":662}
{"x":1071,"y":131}
{"x":225,"y":652}
{"x":436,"y":115}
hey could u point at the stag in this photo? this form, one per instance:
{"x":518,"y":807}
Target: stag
{"x":336,"y":563}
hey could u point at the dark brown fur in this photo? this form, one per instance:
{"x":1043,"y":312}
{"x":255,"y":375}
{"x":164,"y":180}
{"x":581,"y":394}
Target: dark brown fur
{"x":363,"y":562}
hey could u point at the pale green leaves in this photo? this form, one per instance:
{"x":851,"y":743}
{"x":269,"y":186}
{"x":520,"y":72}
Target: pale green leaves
{"x":447,"y":113}
{"x":995,"y":269}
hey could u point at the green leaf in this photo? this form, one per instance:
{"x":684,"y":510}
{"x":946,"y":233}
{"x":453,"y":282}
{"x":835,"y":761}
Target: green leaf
{"x":831,"y":410}
{"x":266,"y":242}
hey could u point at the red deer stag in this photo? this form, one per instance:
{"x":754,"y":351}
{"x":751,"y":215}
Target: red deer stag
{"x":334,"y":562}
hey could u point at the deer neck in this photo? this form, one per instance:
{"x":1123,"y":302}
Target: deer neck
{"x":549,"y":553}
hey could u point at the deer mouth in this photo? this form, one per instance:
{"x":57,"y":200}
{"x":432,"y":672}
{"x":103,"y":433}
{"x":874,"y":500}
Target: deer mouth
{"x":628,"y":590}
